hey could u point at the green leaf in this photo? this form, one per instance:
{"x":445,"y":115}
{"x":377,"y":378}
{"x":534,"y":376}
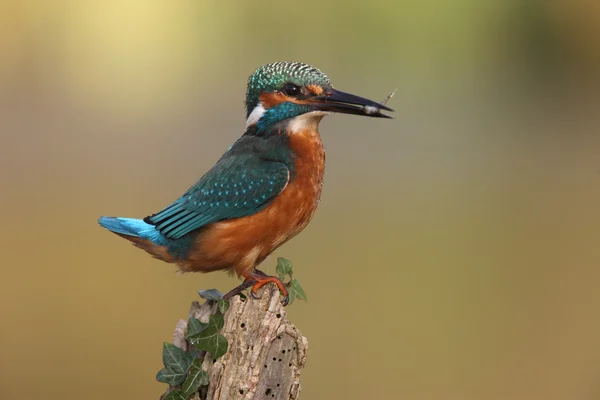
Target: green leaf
{"x":194,"y":327}
{"x":210,"y":339}
{"x":210,"y":294}
{"x":165,"y":375}
{"x":215,"y":324}
{"x":175,"y":359}
{"x":195,"y":378}
{"x":296,"y":291}
{"x":216,"y":345}
{"x":175,"y":395}
{"x":215,"y":295}
{"x":284,"y":267}
{"x":223,"y":305}
{"x":194,"y":352}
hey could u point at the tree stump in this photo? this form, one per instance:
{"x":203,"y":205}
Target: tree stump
{"x":265,"y":354}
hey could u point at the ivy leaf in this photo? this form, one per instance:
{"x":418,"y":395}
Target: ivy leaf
{"x":210,"y":339}
{"x":223,"y":305}
{"x":284,"y":267}
{"x":210,"y":294}
{"x":175,"y":359}
{"x":169,"y":377}
{"x":194,"y":327}
{"x":165,"y":375}
{"x":194,"y":352}
{"x":296,"y":291}
{"x":175,"y":395}
{"x":217,"y":345}
{"x":215,"y":295}
{"x":195,"y":378}
{"x":215,"y":324}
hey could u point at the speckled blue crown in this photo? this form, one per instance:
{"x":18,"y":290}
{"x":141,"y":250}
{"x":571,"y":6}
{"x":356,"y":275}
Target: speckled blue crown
{"x":271,"y":77}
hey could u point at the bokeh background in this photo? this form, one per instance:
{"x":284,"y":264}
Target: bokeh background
{"x":456,"y":251}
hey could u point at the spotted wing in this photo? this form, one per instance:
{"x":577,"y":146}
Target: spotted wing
{"x":235,"y":187}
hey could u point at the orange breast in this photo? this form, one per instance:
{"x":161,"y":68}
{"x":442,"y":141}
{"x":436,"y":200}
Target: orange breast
{"x":240,"y":244}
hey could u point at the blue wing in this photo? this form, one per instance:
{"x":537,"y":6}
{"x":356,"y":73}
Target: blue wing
{"x":235,"y":187}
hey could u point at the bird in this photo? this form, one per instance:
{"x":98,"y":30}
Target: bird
{"x":264,"y":189}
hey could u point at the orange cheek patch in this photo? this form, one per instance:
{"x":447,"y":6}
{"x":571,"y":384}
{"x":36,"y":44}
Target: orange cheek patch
{"x":315,"y":89}
{"x":269,"y":100}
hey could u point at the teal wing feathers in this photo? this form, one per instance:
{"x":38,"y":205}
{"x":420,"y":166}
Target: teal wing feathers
{"x":235,"y":187}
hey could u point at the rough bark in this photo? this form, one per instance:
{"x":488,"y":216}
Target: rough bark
{"x":265,"y":355}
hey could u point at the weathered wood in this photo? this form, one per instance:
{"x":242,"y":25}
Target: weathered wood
{"x":266,"y":351}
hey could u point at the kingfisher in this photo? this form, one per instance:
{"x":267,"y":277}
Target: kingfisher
{"x":263,"y":190}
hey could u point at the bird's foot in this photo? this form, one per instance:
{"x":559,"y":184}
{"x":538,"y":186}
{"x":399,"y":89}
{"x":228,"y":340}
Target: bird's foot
{"x":260,"y":279}
{"x":239,"y":289}
{"x":255,"y":280}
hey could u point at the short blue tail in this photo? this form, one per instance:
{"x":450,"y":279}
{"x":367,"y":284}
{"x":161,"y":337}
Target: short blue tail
{"x":133,"y":227}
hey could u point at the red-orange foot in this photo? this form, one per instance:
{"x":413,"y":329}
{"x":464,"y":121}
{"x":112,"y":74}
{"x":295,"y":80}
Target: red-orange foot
{"x":261,"y":279}
{"x":256,"y":280}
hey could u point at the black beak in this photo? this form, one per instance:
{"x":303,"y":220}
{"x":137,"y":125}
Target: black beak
{"x":341,"y":102}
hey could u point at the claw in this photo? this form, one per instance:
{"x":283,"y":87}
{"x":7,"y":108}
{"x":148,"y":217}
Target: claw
{"x":260,"y":279}
{"x":254,"y":294}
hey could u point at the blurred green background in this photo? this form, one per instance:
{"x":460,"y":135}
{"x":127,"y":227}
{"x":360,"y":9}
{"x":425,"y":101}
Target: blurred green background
{"x":456,"y":251}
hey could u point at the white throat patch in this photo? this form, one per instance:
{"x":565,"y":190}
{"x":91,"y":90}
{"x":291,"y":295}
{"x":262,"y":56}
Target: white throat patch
{"x":255,"y":115}
{"x":304,"y":122}
{"x":297,"y":124}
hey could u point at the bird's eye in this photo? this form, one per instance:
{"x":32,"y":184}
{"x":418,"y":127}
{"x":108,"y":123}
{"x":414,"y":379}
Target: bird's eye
{"x":291,"y":90}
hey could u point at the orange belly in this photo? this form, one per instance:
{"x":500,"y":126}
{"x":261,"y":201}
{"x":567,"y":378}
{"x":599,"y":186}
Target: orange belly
{"x":240,"y":244}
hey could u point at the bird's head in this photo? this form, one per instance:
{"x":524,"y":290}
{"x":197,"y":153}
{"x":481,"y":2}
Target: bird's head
{"x":301,"y":95}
